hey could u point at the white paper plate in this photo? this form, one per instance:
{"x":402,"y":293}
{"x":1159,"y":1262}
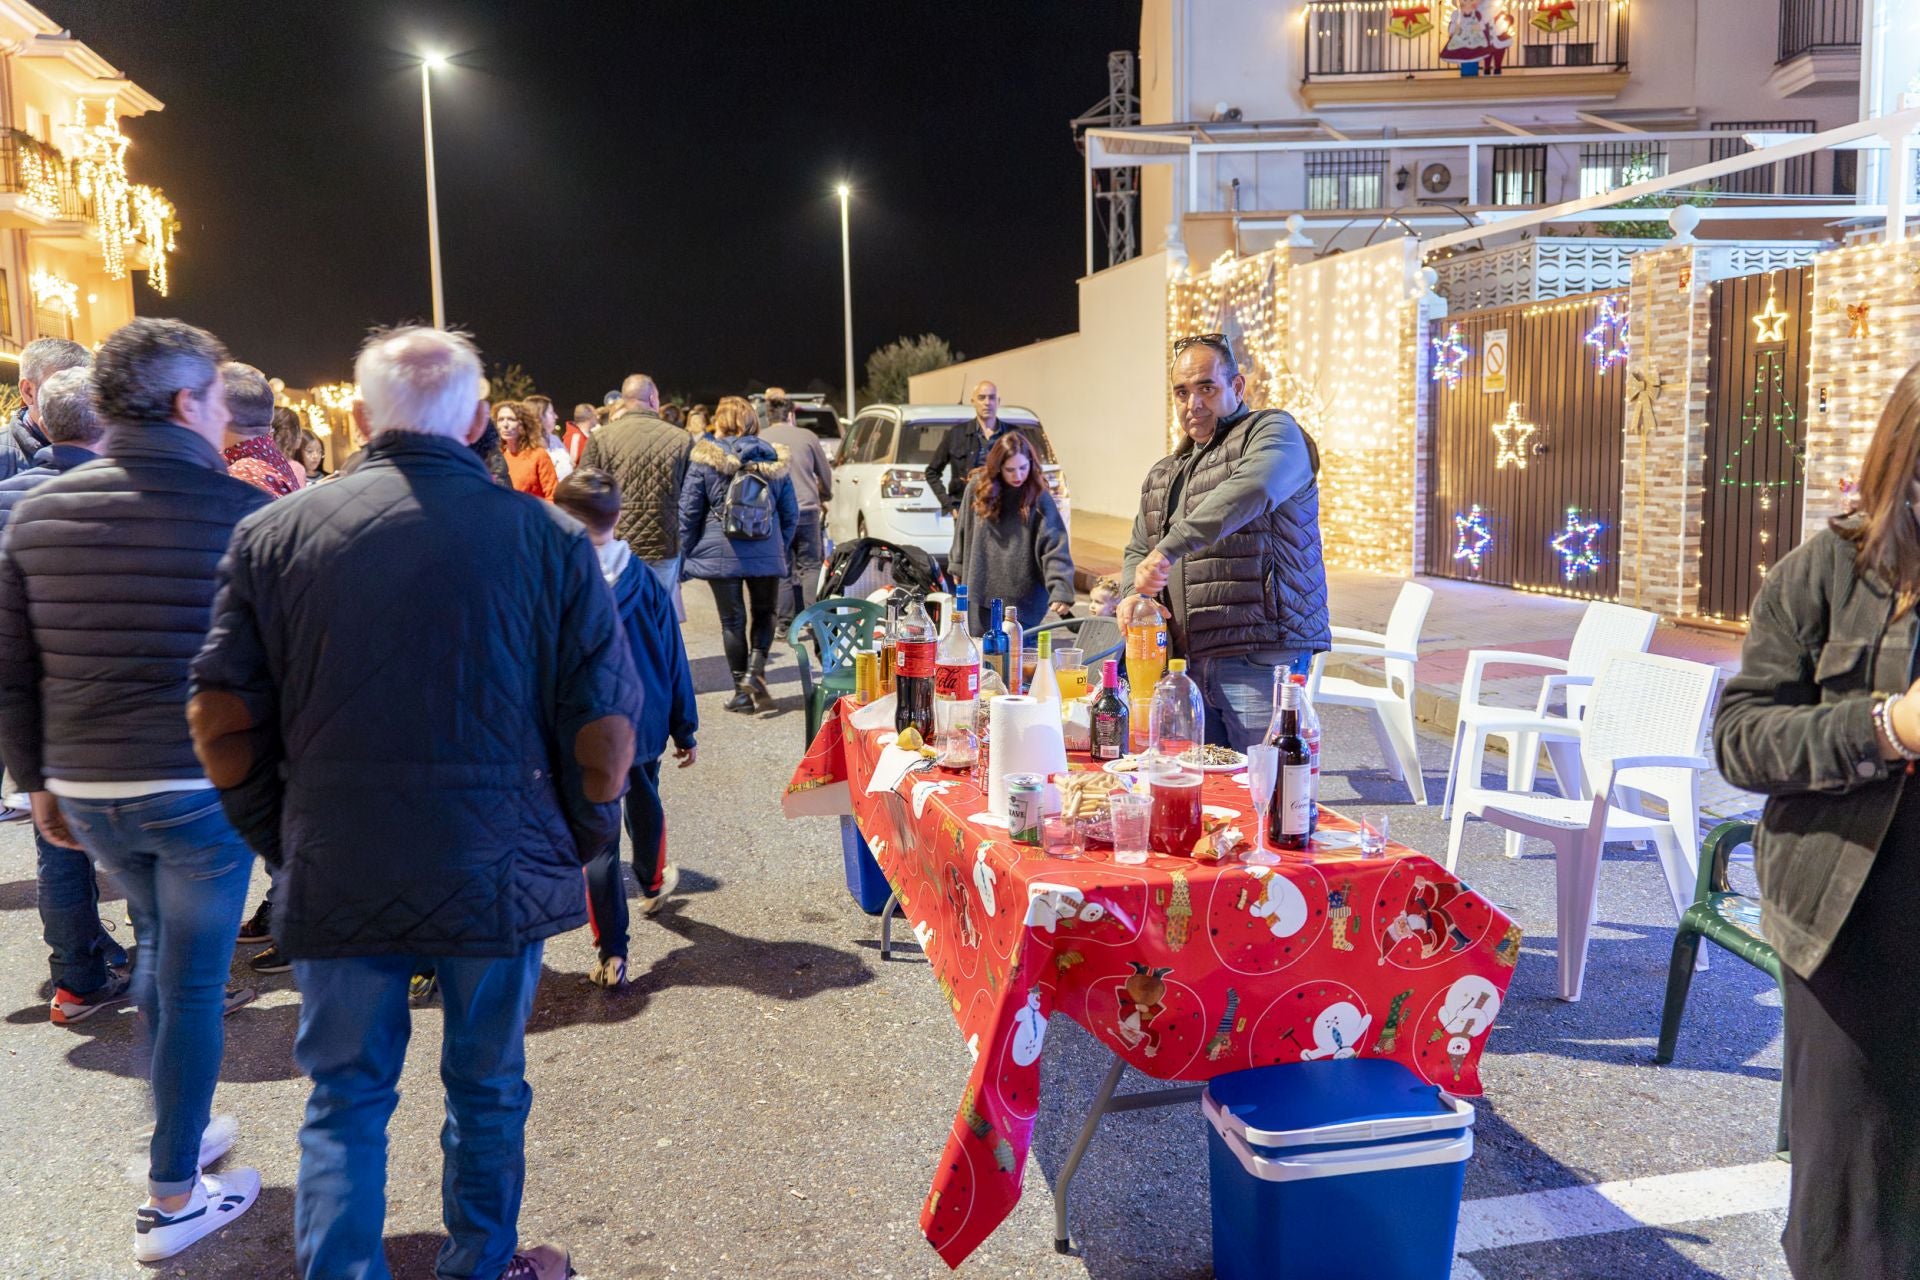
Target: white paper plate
{"x":1129,"y":766}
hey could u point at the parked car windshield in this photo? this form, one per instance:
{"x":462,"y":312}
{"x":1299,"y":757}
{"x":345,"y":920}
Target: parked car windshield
{"x":919,"y":439}
{"x":822,"y":422}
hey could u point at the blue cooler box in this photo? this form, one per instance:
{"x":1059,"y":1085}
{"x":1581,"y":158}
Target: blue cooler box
{"x":1328,"y":1170}
{"x":865,"y":881}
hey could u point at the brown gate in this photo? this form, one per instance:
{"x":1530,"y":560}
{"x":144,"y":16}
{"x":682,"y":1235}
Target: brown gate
{"x":1755,"y":445}
{"x":1537,"y":458}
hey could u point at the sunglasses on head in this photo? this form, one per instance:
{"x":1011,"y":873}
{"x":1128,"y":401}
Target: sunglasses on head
{"x":1217,"y":341}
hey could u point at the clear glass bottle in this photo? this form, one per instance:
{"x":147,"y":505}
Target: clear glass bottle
{"x":1177,"y":720}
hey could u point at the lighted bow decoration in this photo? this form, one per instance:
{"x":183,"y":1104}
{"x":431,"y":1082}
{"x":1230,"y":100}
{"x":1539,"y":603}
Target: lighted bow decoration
{"x":1643,"y":392}
{"x":1555,"y":16}
{"x":1859,"y":324}
{"x":1410,"y":20}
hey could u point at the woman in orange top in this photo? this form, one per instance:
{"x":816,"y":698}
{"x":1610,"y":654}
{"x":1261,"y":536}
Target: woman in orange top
{"x":527,"y":461}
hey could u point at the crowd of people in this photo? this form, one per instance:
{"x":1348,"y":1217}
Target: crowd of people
{"x":321,"y":669}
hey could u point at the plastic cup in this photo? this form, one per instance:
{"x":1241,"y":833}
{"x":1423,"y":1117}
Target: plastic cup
{"x":1060,"y":837}
{"x":1132,"y":826}
{"x":1373,"y":834}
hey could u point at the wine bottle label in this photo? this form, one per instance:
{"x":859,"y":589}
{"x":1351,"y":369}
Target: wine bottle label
{"x":1296,"y":799}
{"x":1109,"y":735}
{"x":956,"y":681}
{"x":914,"y":659}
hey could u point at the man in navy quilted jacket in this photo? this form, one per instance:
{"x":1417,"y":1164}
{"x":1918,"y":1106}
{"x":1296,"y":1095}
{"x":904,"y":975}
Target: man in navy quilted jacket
{"x":426,"y":750}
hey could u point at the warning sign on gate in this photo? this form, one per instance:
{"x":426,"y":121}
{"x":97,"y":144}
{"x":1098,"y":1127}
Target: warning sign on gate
{"x":1493,"y":361}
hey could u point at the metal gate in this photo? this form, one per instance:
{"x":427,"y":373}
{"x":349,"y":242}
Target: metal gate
{"x":1524,"y":465}
{"x":1755,"y":451}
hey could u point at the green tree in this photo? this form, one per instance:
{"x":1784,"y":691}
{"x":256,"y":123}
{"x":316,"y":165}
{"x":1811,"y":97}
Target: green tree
{"x":889,"y":368}
{"x":508,"y":382}
{"x":1639,"y":169}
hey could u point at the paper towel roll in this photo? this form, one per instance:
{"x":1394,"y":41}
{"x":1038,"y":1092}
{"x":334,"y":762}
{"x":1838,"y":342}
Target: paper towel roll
{"x":1024,"y":737}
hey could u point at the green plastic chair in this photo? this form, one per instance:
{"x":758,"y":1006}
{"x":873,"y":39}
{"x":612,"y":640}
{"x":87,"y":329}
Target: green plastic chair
{"x":827,"y":633}
{"x":1097,"y":638}
{"x":1729,"y":919}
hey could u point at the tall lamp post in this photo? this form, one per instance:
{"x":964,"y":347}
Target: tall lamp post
{"x":846,"y":289}
{"x":428,"y":65}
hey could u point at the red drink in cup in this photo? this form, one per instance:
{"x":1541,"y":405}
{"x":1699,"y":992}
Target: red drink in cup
{"x":1176,"y":809}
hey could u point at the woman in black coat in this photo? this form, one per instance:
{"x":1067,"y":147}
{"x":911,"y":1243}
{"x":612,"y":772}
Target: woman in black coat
{"x":1009,"y":542}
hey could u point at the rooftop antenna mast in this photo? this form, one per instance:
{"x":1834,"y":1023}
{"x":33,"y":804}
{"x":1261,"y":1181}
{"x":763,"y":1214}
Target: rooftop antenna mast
{"x":1115,"y":192}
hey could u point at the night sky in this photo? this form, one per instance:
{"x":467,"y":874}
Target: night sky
{"x":622,"y":185}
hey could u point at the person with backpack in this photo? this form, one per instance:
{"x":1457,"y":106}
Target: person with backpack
{"x":737,"y":517}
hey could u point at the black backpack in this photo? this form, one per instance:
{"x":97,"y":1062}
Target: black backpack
{"x":749,"y":510}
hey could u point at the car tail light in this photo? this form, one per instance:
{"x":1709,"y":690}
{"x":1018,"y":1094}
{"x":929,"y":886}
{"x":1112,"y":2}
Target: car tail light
{"x":1057,"y":484}
{"x":898,"y":483}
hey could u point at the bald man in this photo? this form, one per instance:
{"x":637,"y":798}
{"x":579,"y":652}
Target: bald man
{"x":647,"y":456}
{"x":964,"y":447}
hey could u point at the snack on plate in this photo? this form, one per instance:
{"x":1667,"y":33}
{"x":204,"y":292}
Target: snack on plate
{"x":1212,"y":755}
{"x":1085,"y":795}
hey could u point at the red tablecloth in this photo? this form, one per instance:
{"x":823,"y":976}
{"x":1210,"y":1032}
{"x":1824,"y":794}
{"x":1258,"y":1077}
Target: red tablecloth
{"x":1186,"y":970}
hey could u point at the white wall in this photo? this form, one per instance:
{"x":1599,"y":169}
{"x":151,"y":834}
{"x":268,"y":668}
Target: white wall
{"x":1101,"y":392}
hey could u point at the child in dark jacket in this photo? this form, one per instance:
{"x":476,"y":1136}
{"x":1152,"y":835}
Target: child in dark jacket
{"x":646,"y":611}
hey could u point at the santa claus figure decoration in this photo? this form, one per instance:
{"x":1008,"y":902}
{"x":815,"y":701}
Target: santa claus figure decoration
{"x":1480,"y":31}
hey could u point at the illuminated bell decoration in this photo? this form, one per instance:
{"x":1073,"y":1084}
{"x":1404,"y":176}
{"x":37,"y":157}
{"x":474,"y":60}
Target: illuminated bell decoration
{"x":1574,"y":544}
{"x":1449,"y":357}
{"x":1771,"y":323}
{"x":1471,"y":536}
{"x":1511,"y":436}
{"x":1410,"y":21}
{"x":1608,"y":336}
{"x":1555,"y":16}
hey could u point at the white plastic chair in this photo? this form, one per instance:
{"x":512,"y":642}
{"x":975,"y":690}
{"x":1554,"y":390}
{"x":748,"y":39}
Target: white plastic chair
{"x":1604,"y":629}
{"x":1391,"y":704}
{"x":1641,"y":740}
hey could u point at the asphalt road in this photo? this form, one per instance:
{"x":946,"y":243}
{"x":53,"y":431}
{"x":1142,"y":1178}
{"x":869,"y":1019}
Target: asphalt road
{"x":767,"y":1099}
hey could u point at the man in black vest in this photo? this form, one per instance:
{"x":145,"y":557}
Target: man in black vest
{"x":1227,"y":543}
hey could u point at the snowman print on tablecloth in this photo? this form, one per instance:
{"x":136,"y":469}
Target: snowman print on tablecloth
{"x":1423,"y":917}
{"x":1452,"y":1021}
{"x":1315,"y":1020}
{"x":1260,"y":920}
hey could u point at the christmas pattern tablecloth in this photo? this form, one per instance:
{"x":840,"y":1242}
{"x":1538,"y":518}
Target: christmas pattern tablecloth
{"x":1187,"y":970}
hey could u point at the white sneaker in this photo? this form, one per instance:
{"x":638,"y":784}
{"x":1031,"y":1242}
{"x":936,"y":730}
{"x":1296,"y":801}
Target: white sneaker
{"x":611,"y":972}
{"x":669,"y":881}
{"x":215,"y":1140}
{"x":218,"y":1199}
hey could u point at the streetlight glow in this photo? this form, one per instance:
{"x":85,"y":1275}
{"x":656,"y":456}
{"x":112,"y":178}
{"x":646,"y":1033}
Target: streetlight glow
{"x":434,"y":61}
{"x":846,"y":288}
{"x":843,"y":191}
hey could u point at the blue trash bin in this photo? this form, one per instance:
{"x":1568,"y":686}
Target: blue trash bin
{"x":1328,"y":1170}
{"x":865,"y":881}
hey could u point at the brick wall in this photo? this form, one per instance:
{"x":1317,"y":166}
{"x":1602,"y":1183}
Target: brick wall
{"x":1661,"y":465}
{"x":1849,"y":376}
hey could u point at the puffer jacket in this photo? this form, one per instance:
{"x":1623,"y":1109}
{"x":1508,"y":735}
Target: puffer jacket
{"x":647,"y":457}
{"x":645,"y":610}
{"x":1244,"y":537}
{"x":106,"y":588}
{"x":422,"y":746}
{"x":703,"y":504}
{"x":20,"y":443}
{"x":1796,"y":724}
{"x":54,"y":460}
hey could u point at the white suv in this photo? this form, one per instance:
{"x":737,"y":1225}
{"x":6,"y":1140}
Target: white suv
{"x":880,"y":479}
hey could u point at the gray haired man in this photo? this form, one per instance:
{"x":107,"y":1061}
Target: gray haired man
{"x":25,"y":436}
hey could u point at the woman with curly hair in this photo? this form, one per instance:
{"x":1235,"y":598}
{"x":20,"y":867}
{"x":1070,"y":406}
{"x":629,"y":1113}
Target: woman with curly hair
{"x":525,"y":445}
{"x":1009,"y":541}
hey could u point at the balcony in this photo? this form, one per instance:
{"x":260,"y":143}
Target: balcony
{"x":1819,"y":48}
{"x":36,"y":184}
{"x":1361,"y":53}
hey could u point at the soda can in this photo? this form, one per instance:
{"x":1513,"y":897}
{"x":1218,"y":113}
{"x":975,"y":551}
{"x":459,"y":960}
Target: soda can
{"x":1026,"y":798}
{"x":866,"y":675}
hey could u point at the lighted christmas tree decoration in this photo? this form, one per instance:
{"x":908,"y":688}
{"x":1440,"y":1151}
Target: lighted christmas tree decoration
{"x":1449,"y":357}
{"x":1608,"y":336}
{"x":1511,"y":436}
{"x":1574,"y":544}
{"x":1471,"y":536}
{"x":1783,"y":420}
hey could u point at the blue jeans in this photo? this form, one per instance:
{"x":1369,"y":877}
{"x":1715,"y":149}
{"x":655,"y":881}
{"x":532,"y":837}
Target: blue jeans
{"x":185,"y":871}
{"x":668,"y":572}
{"x":354,"y":1025}
{"x":1239,"y":697}
{"x":69,"y":899}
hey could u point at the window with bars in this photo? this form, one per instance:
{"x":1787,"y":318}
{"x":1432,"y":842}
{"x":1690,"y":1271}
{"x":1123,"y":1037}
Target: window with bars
{"x":1605,"y":166}
{"x":1346,"y":179}
{"x":1795,"y":176}
{"x":1520,"y":175}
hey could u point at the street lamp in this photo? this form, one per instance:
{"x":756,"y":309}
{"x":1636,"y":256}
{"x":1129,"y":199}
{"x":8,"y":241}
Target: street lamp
{"x":430,"y":63}
{"x":846,"y":288}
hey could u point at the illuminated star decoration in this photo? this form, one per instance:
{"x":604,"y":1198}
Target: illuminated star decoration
{"x":1608,"y":337}
{"x":1511,"y":435}
{"x":1449,"y":357}
{"x":1575,"y":546}
{"x":1771,"y":322}
{"x":1858,"y":324}
{"x":1471,"y":535}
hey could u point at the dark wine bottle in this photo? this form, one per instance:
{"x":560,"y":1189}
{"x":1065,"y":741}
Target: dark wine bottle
{"x":1290,"y":813}
{"x":1108,"y":729}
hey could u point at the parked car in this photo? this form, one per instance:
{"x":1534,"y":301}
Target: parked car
{"x":880,"y":479}
{"x":811,"y":411}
